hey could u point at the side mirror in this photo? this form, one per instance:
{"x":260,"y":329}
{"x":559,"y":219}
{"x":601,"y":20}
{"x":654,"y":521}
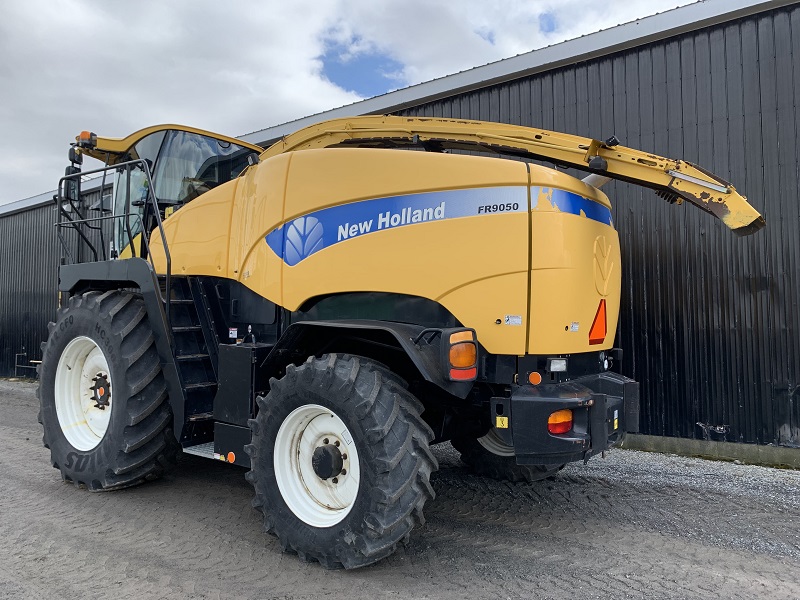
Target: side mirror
{"x":72,"y":191}
{"x":75,"y":157}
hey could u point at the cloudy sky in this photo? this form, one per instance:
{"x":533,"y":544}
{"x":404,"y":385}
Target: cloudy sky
{"x":236,"y":67}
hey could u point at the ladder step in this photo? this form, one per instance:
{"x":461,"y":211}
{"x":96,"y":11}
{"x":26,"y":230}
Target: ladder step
{"x":199,"y":386}
{"x":201,"y":417}
{"x":181,"y":301}
{"x":191,"y":356}
{"x":186,"y":328}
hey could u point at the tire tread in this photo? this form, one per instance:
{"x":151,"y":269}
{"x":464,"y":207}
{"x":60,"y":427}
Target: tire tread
{"x":147,"y":446}
{"x":396,"y":440}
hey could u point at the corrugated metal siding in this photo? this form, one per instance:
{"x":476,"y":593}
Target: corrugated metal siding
{"x":29,"y":280}
{"x":710,"y":322}
{"x":30,"y":253}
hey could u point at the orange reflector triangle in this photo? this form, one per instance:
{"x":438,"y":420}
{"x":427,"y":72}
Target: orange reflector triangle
{"x":597,"y":334}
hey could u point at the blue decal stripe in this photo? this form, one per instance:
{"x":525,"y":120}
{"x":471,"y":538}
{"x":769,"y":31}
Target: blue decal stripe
{"x":312,"y":232}
{"x":575,"y":204}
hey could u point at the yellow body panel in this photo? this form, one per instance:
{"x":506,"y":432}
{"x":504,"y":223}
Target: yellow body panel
{"x":575,"y":262}
{"x":478,"y":266}
{"x":198,"y":235}
{"x":327,"y":177}
{"x":258,"y":209}
{"x":481,"y":303}
{"x":567,"y":286}
{"x":439,"y":261}
{"x":446,"y":261}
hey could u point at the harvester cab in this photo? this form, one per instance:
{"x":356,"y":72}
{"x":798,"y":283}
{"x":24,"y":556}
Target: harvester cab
{"x":157,"y":169}
{"x":323,"y":313}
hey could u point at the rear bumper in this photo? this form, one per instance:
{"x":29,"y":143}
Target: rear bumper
{"x":604,"y":408}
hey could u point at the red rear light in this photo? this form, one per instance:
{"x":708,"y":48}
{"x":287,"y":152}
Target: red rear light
{"x":463,"y":374}
{"x":560,"y":422}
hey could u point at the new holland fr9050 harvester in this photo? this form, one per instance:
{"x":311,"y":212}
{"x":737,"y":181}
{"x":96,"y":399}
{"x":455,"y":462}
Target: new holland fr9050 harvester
{"x":323,"y":311}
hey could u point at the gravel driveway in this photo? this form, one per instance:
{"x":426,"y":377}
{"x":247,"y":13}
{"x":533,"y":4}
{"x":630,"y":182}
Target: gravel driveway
{"x":634,"y":525}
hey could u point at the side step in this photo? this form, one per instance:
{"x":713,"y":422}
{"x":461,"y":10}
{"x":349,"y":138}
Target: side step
{"x":207,"y":451}
{"x":204,"y":450}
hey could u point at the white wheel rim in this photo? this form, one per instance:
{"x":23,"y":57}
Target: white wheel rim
{"x":316,"y":501}
{"x":492,"y":442}
{"x":81,"y":421}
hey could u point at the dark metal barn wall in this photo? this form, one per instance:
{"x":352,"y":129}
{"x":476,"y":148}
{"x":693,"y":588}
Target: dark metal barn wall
{"x":30,"y":252}
{"x":29,"y":283}
{"x":710,"y":322}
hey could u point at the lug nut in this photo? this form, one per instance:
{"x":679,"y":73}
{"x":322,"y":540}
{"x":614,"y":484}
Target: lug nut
{"x":336,"y":443}
{"x":325,"y":441}
{"x":344,"y":456}
{"x":344,"y":472}
{"x":335,"y":480}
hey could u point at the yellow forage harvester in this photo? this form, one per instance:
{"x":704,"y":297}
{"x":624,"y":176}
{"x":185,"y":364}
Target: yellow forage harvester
{"x":322,"y":311}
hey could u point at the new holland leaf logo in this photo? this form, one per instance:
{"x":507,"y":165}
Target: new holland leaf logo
{"x":603,"y":265}
{"x":303,"y":238}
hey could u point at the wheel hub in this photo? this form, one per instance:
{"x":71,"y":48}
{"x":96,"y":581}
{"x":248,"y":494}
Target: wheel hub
{"x":327,"y":461}
{"x":101,"y":391}
{"x":82,"y":391}
{"x":316,"y":465}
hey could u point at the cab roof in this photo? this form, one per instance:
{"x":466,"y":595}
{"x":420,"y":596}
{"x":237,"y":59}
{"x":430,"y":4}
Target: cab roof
{"x":113,"y":150}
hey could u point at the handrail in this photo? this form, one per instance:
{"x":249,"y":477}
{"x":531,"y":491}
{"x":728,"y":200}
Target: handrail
{"x":66,"y":220}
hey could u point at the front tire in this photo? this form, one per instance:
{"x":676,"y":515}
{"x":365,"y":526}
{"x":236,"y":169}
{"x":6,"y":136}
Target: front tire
{"x":103,"y":398}
{"x":491,"y":457}
{"x":340,"y":461}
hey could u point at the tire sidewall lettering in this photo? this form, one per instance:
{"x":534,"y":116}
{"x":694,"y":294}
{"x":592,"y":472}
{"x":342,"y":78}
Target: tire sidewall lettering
{"x":105,"y":341}
{"x":81,"y":462}
{"x":63,"y":326}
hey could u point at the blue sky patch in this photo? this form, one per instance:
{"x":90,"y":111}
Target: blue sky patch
{"x":547,"y":22}
{"x":367,"y":74}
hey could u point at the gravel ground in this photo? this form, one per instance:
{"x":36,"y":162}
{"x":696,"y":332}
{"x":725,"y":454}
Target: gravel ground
{"x":634,"y":525}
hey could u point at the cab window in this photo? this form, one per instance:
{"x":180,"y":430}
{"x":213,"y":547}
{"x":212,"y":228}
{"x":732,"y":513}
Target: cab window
{"x":147,"y":148}
{"x":130,"y":196}
{"x":190,"y":164}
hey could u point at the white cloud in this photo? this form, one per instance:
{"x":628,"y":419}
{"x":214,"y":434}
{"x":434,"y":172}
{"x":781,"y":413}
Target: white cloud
{"x":233,"y":67}
{"x":434,"y":39}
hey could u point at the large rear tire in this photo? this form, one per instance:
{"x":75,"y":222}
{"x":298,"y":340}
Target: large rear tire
{"x":103,"y":398}
{"x":340,"y":461}
{"x":491,"y":457}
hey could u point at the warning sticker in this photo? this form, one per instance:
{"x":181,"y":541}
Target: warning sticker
{"x":513,"y":319}
{"x":502,"y":422}
{"x":233,"y":333}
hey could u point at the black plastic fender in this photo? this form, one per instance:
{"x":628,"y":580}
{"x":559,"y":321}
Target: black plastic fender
{"x":133,"y":273}
{"x":307,"y":338}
